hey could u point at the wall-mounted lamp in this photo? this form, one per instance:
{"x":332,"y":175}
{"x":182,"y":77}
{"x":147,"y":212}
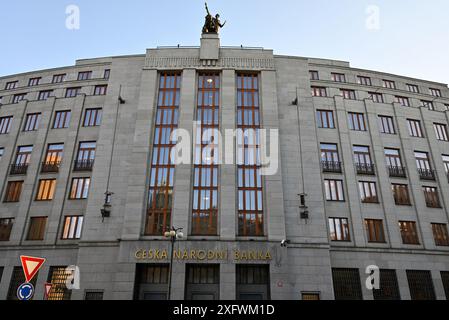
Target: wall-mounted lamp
{"x":303,"y":208}
{"x":107,"y":207}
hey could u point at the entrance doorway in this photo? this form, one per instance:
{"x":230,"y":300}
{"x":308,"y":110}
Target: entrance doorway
{"x":151,"y":282}
{"x":253,"y":282}
{"x":202,"y":282}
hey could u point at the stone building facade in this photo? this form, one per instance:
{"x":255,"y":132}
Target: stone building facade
{"x":362,"y":179}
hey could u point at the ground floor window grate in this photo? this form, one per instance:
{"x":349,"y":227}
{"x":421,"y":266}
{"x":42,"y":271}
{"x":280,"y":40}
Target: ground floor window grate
{"x":421,"y":285}
{"x":58,"y":277}
{"x":347,"y":284}
{"x":93,"y":295}
{"x":389,"y":288}
{"x":203,"y":274}
{"x":445,"y":279}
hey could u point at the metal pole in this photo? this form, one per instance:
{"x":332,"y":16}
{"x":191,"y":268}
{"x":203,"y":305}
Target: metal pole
{"x":173,"y":239}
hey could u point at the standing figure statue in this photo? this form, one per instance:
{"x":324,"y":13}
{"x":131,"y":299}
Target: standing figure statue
{"x":212,"y":25}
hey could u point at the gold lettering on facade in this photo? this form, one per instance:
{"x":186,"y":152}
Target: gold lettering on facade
{"x":203,"y":255}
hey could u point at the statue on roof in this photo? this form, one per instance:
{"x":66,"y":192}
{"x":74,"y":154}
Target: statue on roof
{"x":212,"y":24}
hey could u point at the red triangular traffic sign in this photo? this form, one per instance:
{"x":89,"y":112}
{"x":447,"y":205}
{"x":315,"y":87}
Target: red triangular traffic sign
{"x":31,"y":266}
{"x":47,"y":290}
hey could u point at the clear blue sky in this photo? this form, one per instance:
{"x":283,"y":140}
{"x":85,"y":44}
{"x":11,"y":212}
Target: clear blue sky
{"x":413,"y":38}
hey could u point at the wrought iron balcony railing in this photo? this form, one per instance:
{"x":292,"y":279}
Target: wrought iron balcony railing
{"x":83,"y":165}
{"x":18,"y":169}
{"x":331,"y":166}
{"x":50,"y":166}
{"x":427,"y":174}
{"x":397,"y":172}
{"x":365,"y":168}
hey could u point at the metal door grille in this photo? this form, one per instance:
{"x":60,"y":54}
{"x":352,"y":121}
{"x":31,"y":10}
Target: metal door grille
{"x":249,"y":274}
{"x":421,"y":285}
{"x":347,"y":284}
{"x":445,"y":279}
{"x":389,"y":288}
{"x":58,"y":277}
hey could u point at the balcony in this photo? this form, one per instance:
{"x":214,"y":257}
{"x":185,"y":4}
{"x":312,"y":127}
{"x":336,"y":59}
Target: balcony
{"x":427,"y":174}
{"x":365,"y":169}
{"x":83,"y":165}
{"x":18,"y":169}
{"x":331,"y":166}
{"x":50,"y":167}
{"x":397,"y":172}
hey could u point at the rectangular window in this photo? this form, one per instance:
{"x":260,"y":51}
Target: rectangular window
{"x":86,"y":156}
{"x":34,"y":82}
{"x":11,"y":85}
{"x":13,"y":191}
{"x":445,"y":280}
{"x":330,"y":161}
{"x":92,"y":117}
{"x":250,"y":191}
{"x":432,"y":197}
{"x":446,"y":163}
{"x":401,"y":194}
{"x":58,"y":78}
{"x":46,"y":190}
{"x":376,"y":97}
{"x":408,"y":232}
{"x":421,"y":285}
{"x":389,"y":288}
{"x":72,"y":92}
{"x":435,"y":92}
{"x":314,"y":75}
{"x":365,"y":81}
{"x":18,"y":97}
{"x":319,"y":92}
{"x":347,"y":285}
{"x":413,"y":88}
{"x":423,"y":164}
{"x":162,"y":168}
{"x":107,"y":74}
{"x":334,"y":190}
{"x":6,"y":225}
{"x":73,"y":226}
{"x":339,"y":229}
{"x":368,"y":192}
{"x":440,"y":234}
{"x":386,"y":125}
{"x":62,"y":119}
{"x":427,"y":104}
{"x":100,"y":90}
{"x":446,"y":107}
{"x":54,"y":154}
{"x":85,"y":75}
{"x":375,"y":230}
{"x":79,"y":189}
{"x":23,"y":155}
{"x":362,"y":160}
{"x":36,"y":230}
{"x":205,"y":185}
{"x":389,"y":84}
{"x":348,"y":94}
{"x":325,"y":119}
{"x":338,"y":77}
{"x":2,"y":151}
{"x":32,"y":122}
{"x":17,"y":279}
{"x":394,"y":163}
{"x":5,"y":124}
{"x":441,"y":131}
{"x":414,"y":128}
{"x":58,"y":277}
{"x":44,"y":95}
{"x":356,"y":121}
{"x":403,"y":101}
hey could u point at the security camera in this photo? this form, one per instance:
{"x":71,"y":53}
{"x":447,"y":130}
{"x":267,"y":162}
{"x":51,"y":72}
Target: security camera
{"x":285,"y":243}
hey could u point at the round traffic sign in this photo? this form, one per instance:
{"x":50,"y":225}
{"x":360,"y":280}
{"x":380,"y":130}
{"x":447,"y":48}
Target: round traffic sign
{"x":25,"y":292}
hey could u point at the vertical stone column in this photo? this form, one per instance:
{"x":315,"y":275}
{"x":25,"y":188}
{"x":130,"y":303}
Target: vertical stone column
{"x":228,"y":188}
{"x":139,"y":160}
{"x":274,"y":200}
{"x":227,"y":281}
{"x":183,"y":183}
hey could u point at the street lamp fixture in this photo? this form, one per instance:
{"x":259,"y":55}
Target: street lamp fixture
{"x":173,"y":235}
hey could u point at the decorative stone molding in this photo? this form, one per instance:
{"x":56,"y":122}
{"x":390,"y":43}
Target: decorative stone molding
{"x":222,"y":63}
